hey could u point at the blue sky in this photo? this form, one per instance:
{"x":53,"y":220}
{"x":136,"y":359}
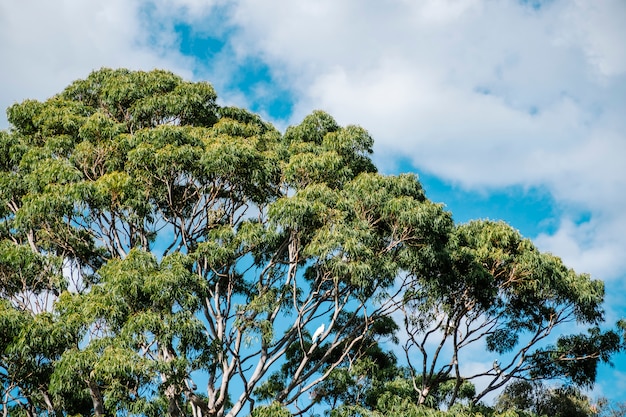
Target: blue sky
{"x":507,"y":109}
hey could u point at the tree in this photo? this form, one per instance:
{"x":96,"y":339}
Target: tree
{"x":535,"y":397}
{"x":163,"y":254}
{"x":497,"y":289}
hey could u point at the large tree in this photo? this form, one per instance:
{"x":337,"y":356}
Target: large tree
{"x":163,"y":254}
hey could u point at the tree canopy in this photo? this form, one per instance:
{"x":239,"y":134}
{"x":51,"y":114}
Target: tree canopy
{"x":161,"y":254}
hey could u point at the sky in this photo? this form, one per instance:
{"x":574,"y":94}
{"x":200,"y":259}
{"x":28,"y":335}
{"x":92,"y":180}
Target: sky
{"x":506,"y":109}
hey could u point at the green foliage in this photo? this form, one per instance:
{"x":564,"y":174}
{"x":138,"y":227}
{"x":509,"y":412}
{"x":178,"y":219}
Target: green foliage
{"x":394,"y":406}
{"x":272,"y":410}
{"x":21,"y":268}
{"x":576,"y":356}
{"x":496,"y":288}
{"x":166,"y":236}
{"x":150,"y":239}
{"x":534,"y":397}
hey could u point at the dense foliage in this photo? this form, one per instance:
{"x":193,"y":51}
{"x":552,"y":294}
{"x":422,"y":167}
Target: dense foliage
{"x":164,"y":255}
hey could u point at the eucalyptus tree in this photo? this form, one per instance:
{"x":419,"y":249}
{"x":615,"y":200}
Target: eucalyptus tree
{"x":499,"y":294}
{"x":162,"y":254}
{"x":536,"y":398}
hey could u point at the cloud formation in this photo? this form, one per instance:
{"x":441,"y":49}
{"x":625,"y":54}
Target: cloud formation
{"x":482,"y":94}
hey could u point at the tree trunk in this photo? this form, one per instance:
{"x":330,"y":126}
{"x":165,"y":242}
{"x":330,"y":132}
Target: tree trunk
{"x":199,"y":406}
{"x":96,"y":398}
{"x":49,"y":405}
{"x":173,"y":409}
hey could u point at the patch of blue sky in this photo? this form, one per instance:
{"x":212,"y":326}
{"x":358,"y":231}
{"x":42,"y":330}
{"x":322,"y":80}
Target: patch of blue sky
{"x":531,"y":210}
{"x":256,"y":80}
{"x":202,"y":46}
{"x":249,"y":76}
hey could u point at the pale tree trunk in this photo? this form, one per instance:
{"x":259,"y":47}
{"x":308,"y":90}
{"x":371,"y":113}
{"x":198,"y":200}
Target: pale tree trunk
{"x":199,"y":407}
{"x":171,"y":392}
{"x":51,"y":410}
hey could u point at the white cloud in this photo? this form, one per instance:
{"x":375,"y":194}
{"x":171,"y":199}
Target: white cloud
{"x":46,"y":45}
{"x":596,"y":27}
{"x":594,"y":245}
{"x":483,"y":94}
